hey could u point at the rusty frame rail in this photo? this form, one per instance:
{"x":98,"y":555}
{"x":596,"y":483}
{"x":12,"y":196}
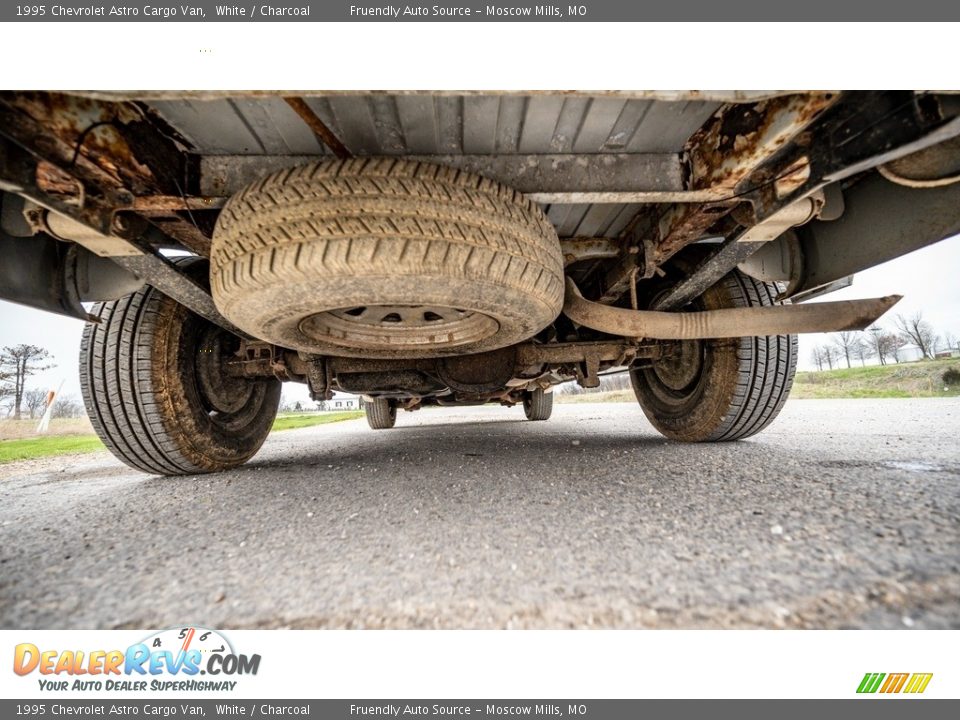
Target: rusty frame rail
{"x":120,"y":237}
{"x":117,"y":151}
{"x":864,"y":132}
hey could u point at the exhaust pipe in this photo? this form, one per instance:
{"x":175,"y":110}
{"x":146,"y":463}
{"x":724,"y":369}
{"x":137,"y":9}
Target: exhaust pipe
{"x":728,"y":322}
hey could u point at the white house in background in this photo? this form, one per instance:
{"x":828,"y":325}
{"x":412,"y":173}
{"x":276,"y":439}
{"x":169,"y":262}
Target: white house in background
{"x":909,"y":353}
{"x":339,"y":403}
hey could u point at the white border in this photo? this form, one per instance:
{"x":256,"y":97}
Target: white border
{"x":209,"y":55}
{"x":303,"y":664}
{"x":599,"y":664}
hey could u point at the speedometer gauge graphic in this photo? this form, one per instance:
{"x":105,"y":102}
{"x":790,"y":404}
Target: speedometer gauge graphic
{"x":182,"y":639}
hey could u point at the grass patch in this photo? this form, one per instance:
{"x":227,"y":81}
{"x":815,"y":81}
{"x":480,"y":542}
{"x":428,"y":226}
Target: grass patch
{"x":926,"y":378}
{"x":923,"y":379}
{"x":28,"y":448}
{"x":292,"y":422}
{"x":48,"y":445}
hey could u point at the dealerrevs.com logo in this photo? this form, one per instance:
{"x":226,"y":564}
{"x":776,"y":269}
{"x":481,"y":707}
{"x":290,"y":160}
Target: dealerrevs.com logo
{"x":173,"y":659}
{"x":892,"y":683}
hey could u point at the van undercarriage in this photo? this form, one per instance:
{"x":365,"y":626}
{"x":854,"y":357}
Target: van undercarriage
{"x":449,"y":248}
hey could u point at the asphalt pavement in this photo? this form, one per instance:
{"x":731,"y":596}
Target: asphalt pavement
{"x":843,"y":514}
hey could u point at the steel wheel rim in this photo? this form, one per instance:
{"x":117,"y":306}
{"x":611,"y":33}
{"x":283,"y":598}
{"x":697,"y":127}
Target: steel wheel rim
{"x":399,"y":326}
{"x":681,"y":370}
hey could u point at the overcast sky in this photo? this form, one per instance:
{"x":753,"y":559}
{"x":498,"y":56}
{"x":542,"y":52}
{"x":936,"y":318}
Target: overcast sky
{"x":929,"y":280}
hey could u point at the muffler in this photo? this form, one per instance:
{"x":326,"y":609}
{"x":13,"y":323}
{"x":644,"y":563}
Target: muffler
{"x":728,"y":322}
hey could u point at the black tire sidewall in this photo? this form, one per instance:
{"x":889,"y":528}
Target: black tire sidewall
{"x":141,"y":387}
{"x":708,"y":409}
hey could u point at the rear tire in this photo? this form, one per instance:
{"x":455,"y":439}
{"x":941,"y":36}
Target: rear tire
{"x":150,"y":374}
{"x":725,"y":389}
{"x":538,"y":405}
{"x":381,"y":413}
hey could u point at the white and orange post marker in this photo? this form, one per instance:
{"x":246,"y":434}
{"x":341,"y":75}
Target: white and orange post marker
{"x":48,"y":409}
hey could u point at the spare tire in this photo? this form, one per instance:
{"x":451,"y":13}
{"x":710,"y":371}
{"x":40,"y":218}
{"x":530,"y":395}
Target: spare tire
{"x":385,"y":258}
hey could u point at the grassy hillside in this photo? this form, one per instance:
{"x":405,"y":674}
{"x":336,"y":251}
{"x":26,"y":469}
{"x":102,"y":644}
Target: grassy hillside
{"x":18,"y":440}
{"x":903,"y":380}
{"x":27,"y":448}
{"x":292,"y":421}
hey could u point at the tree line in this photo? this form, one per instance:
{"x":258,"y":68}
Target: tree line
{"x":17,"y":364}
{"x":883,"y":344}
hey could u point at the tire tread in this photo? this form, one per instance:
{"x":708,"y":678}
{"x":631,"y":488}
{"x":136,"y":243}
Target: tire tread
{"x":381,"y":219}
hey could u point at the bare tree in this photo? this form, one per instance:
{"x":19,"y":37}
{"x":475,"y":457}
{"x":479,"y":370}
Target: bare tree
{"x":829,"y":355}
{"x":918,"y":331}
{"x":66,"y":406}
{"x":845,"y":343}
{"x":618,"y":381}
{"x":875,"y":338}
{"x":950,"y":341}
{"x":817,"y":355}
{"x":17,"y":363}
{"x":35,"y":400}
{"x":863,"y":350}
{"x":894,"y":343}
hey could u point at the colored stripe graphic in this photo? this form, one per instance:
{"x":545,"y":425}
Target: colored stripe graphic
{"x":918,"y":682}
{"x":894,"y":682}
{"x":870,"y":682}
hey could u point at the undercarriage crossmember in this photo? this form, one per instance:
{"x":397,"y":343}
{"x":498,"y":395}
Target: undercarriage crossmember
{"x":500,"y":375}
